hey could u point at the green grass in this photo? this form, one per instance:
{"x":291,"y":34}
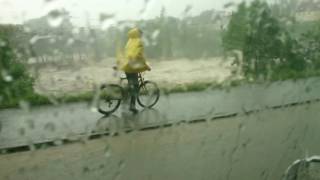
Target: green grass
{"x":200,"y":86}
{"x":38,"y":100}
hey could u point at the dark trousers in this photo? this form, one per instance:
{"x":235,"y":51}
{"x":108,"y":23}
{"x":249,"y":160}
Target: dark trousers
{"x":133,"y":84}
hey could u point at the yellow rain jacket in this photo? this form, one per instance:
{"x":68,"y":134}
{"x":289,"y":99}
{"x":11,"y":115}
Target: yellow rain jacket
{"x":133,"y":61}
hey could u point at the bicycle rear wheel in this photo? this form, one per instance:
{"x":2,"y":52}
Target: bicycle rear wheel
{"x":149,"y":94}
{"x":110,"y":97}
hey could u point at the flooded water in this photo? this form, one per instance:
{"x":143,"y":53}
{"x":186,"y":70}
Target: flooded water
{"x":83,"y":77}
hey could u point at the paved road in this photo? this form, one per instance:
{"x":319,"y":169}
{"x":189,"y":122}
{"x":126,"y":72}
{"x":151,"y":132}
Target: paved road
{"x":53,"y":123}
{"x":259,"y":146}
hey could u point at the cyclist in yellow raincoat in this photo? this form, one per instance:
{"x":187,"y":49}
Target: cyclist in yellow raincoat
{"x":133,"y":63}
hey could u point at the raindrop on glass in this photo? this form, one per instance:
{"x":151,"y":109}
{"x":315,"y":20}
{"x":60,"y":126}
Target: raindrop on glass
{"x":50,"y":127}
{"x":30,"y":124}
{"x":155,"y":34}
{"x":58,"y":142}
{"x":22,"y":131}
{"x":121,"y":164}
{"x":107,"y":151}
{"x":2,"y":43}
{"x":6,"y":77}
{"x":55,"y":18}
{"x":24,"y":105}
{"x":85,"y":169}
{"x":34,"y":39}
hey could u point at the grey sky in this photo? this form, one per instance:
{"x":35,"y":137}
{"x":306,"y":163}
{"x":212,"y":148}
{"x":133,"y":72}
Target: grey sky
{"x":17,"y":11}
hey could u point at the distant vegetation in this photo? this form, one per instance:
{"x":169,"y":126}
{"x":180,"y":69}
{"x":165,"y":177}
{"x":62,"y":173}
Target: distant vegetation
{"x":165,"y":37}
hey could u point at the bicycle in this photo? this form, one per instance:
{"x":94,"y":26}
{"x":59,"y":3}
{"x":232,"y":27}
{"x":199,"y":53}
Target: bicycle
{"x":111,"y":95}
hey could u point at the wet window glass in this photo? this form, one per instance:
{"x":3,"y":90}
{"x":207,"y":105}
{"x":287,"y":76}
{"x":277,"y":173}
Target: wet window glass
{"x":159,"y":89}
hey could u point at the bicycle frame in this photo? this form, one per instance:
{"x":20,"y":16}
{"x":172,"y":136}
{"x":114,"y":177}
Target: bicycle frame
{"x":142,"y":82}
{"x":125,"y":94}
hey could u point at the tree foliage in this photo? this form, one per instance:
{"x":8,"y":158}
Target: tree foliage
{"x":269,"y":49}
{"x":234,"y":37}
{"x":15,"y":83}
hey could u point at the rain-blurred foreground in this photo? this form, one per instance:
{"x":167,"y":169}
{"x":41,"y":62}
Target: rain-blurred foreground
{"x":257,"y":146}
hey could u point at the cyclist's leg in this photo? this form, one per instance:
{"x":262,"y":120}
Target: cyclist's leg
{"x":133,"y":84}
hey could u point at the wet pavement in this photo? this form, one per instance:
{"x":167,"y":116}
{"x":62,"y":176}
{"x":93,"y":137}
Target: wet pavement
{"x":257,"y":146}
{"x":73,"y":121}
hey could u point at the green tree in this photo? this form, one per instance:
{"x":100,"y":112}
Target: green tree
{"x":262,"y":43}
{"x":310,"y":45}
{"x":268,"y":49}
{"x":15,"y":83}
{"x":234,"y":37}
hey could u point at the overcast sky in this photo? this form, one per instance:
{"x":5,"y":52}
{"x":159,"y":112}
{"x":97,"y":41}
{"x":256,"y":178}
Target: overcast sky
{"x":18,"y":11}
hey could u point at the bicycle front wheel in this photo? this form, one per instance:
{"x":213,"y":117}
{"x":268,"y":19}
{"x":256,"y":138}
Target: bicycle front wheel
{"x":110,"y":97}
{"x":149,"y":94}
